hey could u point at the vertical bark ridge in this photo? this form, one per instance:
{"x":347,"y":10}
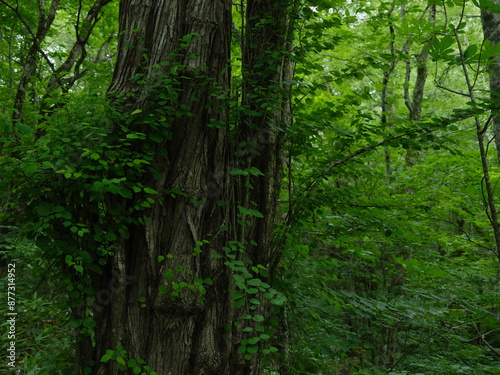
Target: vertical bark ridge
{"x":184,"y":335}
{"x":174,"y":335}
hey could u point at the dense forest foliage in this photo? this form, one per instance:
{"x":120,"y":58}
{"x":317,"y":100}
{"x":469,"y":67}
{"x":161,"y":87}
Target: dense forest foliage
{"x":386,"y":229}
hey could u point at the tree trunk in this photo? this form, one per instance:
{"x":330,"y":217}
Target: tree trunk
{"x":158,"y":310}
{"x":414,"y":104}
{"x":491,"y":31}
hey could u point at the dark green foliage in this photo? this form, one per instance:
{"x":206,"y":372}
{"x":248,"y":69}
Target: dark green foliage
{"x":44,"y":338}
{"x":388,"y":262}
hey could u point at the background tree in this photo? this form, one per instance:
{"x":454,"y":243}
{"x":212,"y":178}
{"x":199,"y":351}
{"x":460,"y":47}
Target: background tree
{"x":490,"y":21}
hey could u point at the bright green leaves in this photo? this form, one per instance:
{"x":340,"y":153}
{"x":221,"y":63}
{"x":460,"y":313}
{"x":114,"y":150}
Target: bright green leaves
{"x":441,"y":48}
{"x":120,"y":355}
{"x":189,"y":282}
{"x":250,"y":345}
{"x":250,"y":212}
{"x":197,"y":249}
{"x":71,"y":184}
{"x":445,"y":48}
{"x":161,"y":258}
{"x":246,"y":172}
{"x":252,"y":290}
{"x":489,"y":50}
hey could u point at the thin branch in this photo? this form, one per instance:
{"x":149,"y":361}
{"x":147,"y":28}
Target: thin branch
{"x":490,"y":199}
{"x":450,"y":90}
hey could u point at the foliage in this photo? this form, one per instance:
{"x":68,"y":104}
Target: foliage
{"x":387,"y":259}
{"x":42,"y":322}
{"x":389,"y":263}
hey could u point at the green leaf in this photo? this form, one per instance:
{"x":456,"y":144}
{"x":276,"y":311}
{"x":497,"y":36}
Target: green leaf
{"x":279,"y":300}
{"x":156,"y":137}
{"x":44,"y":209}
{"x":254,"y":171}
{"x":150,"y":191}
{"x":253,"y":340}
{"x":254,"y":282}
{"x":25,"y":129}
{"x":30,"y":168}
{"x":48,"y":164}
{"x":106,"y":357}
{"x":238,"y":278}
{"x":245,"y":172}
{"x":248,"y":211}
{"x":258,"y":318}
{"x":121,"y":361}
{"x":110,"y":236}
{"x":252,"y":349}
{"x":470,"y":51}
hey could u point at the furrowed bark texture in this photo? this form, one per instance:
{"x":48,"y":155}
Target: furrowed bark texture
{"x":267,"y":72}
{"x":491,"y":30}
{"x":181,"y":335}
{"x":186,"y":335}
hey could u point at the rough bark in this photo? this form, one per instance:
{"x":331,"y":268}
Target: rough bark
{"x":265,"y":98}
{"x":266,"y":69}
{"x":185,"y":335}
{"x":491,"y":31}
{"x":181,"y":335}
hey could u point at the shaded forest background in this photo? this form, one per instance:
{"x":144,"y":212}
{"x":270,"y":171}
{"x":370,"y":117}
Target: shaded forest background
{"x":387,"y":220}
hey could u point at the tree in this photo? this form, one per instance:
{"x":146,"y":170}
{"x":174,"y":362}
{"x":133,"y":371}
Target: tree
{"x":164,"y":219}
{"x":490,"y":19}
{"x":182,"y":335}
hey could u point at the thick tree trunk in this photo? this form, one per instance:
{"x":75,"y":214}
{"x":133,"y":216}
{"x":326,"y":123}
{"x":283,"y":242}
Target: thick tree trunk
{"x":156,"y":311}
{"x":183,"y":334}
{"x":491,"y":30}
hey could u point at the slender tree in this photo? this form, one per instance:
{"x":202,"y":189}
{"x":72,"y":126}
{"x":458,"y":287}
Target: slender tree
{"x":490,"y":18}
